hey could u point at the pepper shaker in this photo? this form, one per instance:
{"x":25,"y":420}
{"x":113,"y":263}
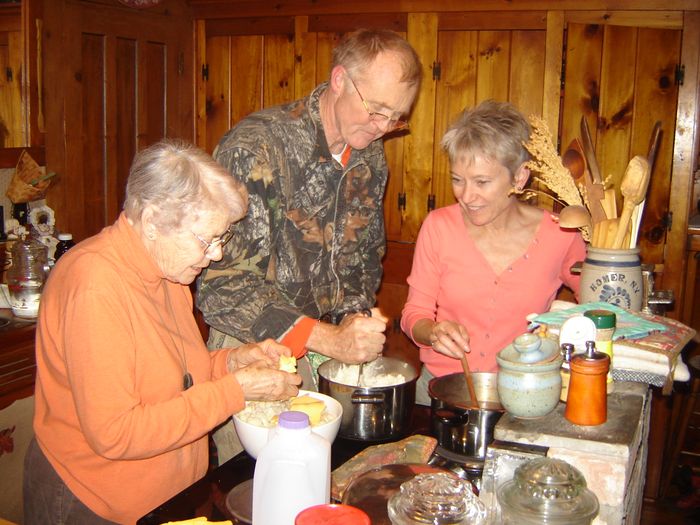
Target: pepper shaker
{"x":587,"y":402}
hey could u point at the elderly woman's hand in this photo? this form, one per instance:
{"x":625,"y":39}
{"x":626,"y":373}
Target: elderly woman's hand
{"x":268,"y":351}
{"x":449,"y":338}
{"x":261,"y":383}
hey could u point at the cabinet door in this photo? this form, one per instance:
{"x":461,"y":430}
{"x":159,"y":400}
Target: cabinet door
{"x":117,"y":79}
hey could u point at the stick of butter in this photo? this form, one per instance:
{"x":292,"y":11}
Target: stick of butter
{"x":311,"y":406}
{"x":288,"y":364}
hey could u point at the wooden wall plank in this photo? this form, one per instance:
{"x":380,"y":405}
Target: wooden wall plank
{"x":200,"y":62}
{"x":12,"y":121}
{"x":655,"y":97}
{"x":551,"y":100}
{"x":152,"y":92}
{"x":658,"y":19}
{"x":125,"y":109}
{"x":110,"y":93}
{"x":584,"y":50}
{"x":418,"y":147}
{"x":325,"y":44}
{"x":246,"y":77}
{"x":219,"y":98}
{"x":278,"y":70}
{"x":250,"y":26}
{"x":455,"y":91}
{"x":92,"y":191}
{"x":304,"y":58}
{"x":493,"y":65}
{"x":491,"y":20}
{"x":351,"y":21}
{"x":613,"y":130}
{"x":526,"y":83}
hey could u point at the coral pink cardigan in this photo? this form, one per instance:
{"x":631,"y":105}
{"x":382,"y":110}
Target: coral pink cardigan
{"x":451,"y":280}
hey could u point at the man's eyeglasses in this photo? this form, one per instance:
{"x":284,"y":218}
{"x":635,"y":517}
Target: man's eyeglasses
{"x":392,"y":124}
{"x":215,"y":243}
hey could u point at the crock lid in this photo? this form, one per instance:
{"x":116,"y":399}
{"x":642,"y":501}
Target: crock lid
{"x":548,"y":490}
{"x":602,"y":318}
{"x":530,"y":349}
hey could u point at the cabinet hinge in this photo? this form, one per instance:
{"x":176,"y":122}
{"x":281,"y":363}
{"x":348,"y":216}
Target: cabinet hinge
{"x":205,"y":71}
{"x":437,"y":70}
{"x":402,"y":202}
{"x":8,"y":74}
{"x":431,"y":202}
{"x":680,"y":74}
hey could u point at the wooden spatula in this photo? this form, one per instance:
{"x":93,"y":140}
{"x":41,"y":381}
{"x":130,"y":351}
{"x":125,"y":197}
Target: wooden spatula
{"x":633,"y":188}
{"x":473,"y":401}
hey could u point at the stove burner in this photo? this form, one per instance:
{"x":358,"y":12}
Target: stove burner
{"x":466,"y":467}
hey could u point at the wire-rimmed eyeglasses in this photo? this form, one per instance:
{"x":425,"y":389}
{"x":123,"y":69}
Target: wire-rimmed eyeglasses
{"x":392,"y":124}
{"x":215,"y":243}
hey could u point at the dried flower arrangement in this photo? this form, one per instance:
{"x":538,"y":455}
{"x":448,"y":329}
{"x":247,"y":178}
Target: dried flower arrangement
{"x":549,"y":170}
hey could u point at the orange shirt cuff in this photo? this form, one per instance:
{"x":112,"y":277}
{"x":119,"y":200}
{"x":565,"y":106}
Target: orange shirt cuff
{"x":297,"y":337}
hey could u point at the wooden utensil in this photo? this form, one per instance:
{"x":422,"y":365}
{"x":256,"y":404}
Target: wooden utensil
{"x":575,"y":217}
{"x":574,"y":161}
{"x":633,"y":188}
{"x":654,"y":142}
{"x":597,"y":191}
{"x":470,"y":381}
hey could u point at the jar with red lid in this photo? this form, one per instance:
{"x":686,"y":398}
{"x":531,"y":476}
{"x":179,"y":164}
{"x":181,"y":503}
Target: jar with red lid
{"x":332,"y":514}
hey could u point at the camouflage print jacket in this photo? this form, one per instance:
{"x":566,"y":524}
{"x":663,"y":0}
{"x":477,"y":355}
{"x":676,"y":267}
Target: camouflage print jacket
{"x":313,"y":239}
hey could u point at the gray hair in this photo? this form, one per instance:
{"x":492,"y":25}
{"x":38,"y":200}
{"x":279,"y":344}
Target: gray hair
{"x":182,"y":182}
{"x":496,"y":130}
{"x":358,"y":49}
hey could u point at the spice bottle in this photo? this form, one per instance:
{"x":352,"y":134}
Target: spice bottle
{"x":587,"y":402}
{"x":567,"y":351}
{"x":65,"y":242}
{"x":605,"y":322}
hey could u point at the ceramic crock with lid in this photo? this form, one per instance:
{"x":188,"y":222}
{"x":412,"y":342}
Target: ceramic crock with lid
{"x":529,"y":379}
{"x":547,"y":490}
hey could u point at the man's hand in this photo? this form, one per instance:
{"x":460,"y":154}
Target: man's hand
{"x":357,"y":339}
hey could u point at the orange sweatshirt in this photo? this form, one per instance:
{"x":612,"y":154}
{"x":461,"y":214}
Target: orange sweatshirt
{"x":111,"y":414}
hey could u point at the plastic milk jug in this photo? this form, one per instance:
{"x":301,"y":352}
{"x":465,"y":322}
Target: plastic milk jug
{"x":292,"y":472}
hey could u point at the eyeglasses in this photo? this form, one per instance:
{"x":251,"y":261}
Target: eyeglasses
{"x":215,"y":243}
{"x":392,"y":124}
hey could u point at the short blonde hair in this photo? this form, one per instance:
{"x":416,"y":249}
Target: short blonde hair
{"x":183,"y":183}
{"x":358,"y":49}
{"x":496,"y":130}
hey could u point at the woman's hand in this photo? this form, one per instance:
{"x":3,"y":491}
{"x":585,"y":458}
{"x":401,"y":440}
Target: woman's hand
{"x":267,"y":351}
{"x":449,"y":338}
{"x":262,"y":383}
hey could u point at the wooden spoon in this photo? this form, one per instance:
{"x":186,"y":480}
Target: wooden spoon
{"x":574,"y":217}
{"x":574,"y":161}
{"x":470,"y":383}
{"x":634,"y":189}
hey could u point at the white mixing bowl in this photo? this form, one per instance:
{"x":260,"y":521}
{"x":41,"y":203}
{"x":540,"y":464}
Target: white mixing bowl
{"x":254,"y":437}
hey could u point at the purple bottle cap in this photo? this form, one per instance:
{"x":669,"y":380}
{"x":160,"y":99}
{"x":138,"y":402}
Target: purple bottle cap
{"x":293,"y":419}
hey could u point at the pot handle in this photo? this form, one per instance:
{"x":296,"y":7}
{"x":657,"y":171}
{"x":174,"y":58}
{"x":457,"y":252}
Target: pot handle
{"x":374,"y":399}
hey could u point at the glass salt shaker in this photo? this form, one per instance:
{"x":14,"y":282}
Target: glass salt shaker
{"x":26,"y":276}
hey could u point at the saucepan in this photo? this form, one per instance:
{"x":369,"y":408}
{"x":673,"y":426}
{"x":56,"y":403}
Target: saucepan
{"x":458,"y":427}
{"x":374,"y":413}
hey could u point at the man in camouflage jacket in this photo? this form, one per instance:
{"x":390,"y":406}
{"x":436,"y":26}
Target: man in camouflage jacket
{"x":305,"y":263}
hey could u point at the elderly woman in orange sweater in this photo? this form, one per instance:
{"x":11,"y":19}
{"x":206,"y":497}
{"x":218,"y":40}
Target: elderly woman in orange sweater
{"x":126,"y":389}
{"x":483,"y":264}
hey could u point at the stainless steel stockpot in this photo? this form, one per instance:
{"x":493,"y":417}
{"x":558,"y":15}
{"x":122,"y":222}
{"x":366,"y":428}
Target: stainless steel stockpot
{"x":458,"y":428}
{"x":372,"y":413}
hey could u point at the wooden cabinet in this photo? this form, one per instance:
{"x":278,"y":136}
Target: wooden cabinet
{"x":17,"y":361}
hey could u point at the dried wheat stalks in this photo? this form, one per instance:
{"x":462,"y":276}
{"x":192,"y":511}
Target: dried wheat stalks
{"x":546,"y":164}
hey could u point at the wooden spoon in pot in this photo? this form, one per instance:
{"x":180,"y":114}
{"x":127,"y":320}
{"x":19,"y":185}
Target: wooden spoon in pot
{"x":474,"y":402}
{"x":634,"y":189}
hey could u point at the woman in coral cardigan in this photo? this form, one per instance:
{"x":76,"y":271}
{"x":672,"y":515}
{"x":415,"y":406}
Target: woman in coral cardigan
{"x":483,"y":264}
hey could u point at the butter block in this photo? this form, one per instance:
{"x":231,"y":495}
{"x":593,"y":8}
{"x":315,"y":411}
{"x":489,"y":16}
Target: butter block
{"x":288,"y":364}
{"x":311,"y":406}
